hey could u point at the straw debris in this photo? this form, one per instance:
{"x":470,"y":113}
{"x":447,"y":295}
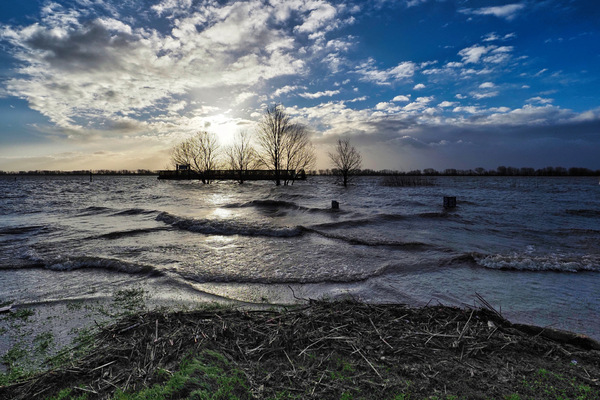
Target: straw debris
{"x":330,"y":350}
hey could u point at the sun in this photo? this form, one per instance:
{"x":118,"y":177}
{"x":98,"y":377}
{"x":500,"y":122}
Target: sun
{"x":225,"y":127}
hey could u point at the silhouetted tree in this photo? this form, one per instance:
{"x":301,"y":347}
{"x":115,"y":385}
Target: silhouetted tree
{"x":299,"y":152}
{"x":283,"y":144}
{"x":346,"y":159}
{"x":241,"y":156}
{"x":199,"y":152}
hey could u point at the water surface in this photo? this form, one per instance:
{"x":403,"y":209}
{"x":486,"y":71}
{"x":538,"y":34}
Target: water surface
{"x":529,"y":245}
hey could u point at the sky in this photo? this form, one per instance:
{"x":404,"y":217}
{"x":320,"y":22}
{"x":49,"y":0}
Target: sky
{"x":414,"y":84}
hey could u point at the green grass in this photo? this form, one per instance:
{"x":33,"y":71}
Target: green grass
{"x":208,"y":376}
{"x":128,"y":301}
{"x":43,"y":342}
{"x":16,"y":360}
{"x":66,"y":395}
{"x":553,"y":386}
{"x":343,"y":370}
{"x":22,"y":314}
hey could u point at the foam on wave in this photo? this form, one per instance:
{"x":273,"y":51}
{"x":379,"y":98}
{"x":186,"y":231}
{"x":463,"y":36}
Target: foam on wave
{"x":86,"y":262}
{"x":528,"y":262}
{"x":325,"y":276}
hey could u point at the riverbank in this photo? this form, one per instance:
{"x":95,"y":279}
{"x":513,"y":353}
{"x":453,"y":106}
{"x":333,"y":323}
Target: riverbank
{"x":327,"y":350}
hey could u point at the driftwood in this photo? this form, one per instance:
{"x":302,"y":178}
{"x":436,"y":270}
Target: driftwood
{"x":391,"y":349}
{"x":6,"y":308}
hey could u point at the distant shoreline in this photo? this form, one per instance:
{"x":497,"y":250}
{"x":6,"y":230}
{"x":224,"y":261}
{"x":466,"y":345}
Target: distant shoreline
{"x":428,"y":172}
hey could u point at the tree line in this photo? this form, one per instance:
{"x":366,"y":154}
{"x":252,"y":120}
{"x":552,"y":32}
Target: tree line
{"x":278,"y":144}
{"x":110,"y":172}
{"x":499,"y":171}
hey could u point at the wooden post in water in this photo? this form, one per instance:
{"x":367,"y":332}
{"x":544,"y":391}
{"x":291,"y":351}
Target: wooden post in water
{"x":449,"y":202}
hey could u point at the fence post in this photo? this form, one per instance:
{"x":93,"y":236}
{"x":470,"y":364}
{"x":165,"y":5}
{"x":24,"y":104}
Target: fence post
{"x":449,"y":202}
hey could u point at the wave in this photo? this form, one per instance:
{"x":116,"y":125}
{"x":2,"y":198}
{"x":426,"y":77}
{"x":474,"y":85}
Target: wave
{"x":372,"y":243}
{"x":318,"y":277}
{"x":435,"y":215}
{"x":577,"y":231}
{"x":528,"y":262}
{"x":133,"y":211}
{"x":83,"y":262}
{"x":352,"y":223}
{"x":270,"y":204}
{"x":20,"y":230}
{"x":227,"y":227}
{"x":94,"y":210}
{"x":265,"y":204}
{"x":132,"y":232}
{"x":584,"y":213}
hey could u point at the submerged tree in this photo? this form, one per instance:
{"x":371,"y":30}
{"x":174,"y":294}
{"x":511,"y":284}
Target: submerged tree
{"x":284,"y":145}
{"x":299,"y":152}
{"x":241,"y":156}
{"x":346,"y":159}
{"x":200,"y":153}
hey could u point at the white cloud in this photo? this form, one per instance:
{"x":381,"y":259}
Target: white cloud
{"x":473,"y":54}
{"x":508,"y":11}
{"x":401,"y":97}
{"x":445,"y":104}
{"x":321,"y":15}
{"x":357,"y":99}
{"x":487,"y":85}
{"x":177,"y":106}
{"x":540,"y":100}
{"x":419,"y":86}
{"x":384,"y":106}
{"x":493,"y":37}
{"x":170,"y":6}
{"x":286,"y":89}
{"x":419,"y":104}
{"x":370,"y":73}
{"x":244,"y":96}
{"x":485,"y":95}
{"x":488,"y":54}
{"x":84,"y":73}
{"x":466,"y":109}
{"x":326,"y":93}
{"x":413,"y":3}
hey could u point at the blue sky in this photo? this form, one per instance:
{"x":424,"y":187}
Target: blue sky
{"x":90,"y":84}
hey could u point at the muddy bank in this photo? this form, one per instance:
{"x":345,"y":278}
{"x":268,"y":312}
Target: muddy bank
{"x":327,"y":350}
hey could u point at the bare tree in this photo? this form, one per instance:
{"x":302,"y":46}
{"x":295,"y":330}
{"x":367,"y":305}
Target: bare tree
{"x":346,"y":159}
{"x":200,"y":152}
{"x":284,"y":145}
{"x":299,"y":152}
{"x":272,"y":129}
{"x":241,"y":156}
{"x":182,"y":154}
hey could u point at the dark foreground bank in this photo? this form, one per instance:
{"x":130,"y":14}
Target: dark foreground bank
{"x":339,"y":350}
